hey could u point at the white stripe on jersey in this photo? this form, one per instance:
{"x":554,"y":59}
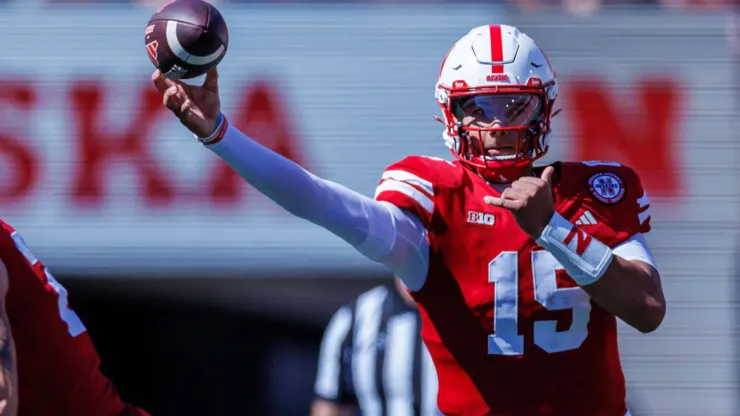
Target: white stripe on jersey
{"x":644,"y":204}
{"x":398,"y":370}
{"x":643,"y":216}
{"x":643,"y":201}
{"x":330,"y":357}
{"x":429,"y":385}
{"x":403,"y":176}
{"x":422,"y":199}
{"x":367,"y":325}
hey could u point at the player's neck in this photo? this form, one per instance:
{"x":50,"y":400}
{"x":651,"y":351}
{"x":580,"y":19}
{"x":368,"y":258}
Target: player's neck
{"x":528,"y":171}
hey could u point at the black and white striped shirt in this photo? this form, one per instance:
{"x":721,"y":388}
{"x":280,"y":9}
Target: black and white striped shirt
{"x":372,"y":356}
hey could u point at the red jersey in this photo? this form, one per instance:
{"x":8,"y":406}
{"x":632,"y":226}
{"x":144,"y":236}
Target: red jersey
{"x":510,"y":333}
{"x":58,"y":371}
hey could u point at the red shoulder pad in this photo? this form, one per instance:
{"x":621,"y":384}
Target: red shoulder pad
{"x":618,"y":189}
{"x":7,"y":228}
{"x":411,"y":184}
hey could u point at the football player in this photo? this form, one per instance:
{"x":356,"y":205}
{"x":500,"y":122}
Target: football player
{"x":57,"y":366}
{"x":519,"y":271}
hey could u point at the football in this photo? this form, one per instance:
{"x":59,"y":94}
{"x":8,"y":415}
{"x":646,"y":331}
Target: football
{"x":186,"y":38}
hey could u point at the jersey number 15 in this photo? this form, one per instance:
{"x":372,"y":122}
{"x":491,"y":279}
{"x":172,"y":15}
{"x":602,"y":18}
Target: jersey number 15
{"x":503,"y":271}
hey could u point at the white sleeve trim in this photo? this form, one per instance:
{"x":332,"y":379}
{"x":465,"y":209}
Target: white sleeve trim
{"x":402,"y":187}
{"x":635,"y":248}
{"x":643,"y":201}
{"x":404,"y":176}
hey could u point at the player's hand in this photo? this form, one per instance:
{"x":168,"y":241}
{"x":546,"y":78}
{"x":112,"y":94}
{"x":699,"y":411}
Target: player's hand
{"x":197,"y":107}
{"x":530,"y":200}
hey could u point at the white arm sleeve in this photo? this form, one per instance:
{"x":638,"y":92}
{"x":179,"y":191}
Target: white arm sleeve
{"x":379,"y":230}
{"x":635,"y":248}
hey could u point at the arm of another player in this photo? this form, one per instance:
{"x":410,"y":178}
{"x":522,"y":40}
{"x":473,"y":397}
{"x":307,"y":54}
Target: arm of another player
{"x":379,"y":230}
{"x":333,"y":395}
{"x":8,"y":369}
{"x":623,"y":280}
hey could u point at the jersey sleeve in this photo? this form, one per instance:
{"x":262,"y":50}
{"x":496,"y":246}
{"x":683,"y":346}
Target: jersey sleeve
{"x":23,"y":264}
{"x":636,"y":248}
{"x":643,"y":212}
{"x":409,"y":185}
{"x":333,"y":377}
{"x":637,"y":210}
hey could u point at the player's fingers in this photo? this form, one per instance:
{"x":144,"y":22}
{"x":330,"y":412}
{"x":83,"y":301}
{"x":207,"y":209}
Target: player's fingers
{"x":173,"y":99}
{"x":547,"y":175}
{"x":211,"y":81}
{"x":531,"y":179}
{"x":161,"y":82}
{"x":514,"y":194}
{"x":512,"y":205}
{"x":185,"y":110}
{"x":526,"y":186}
{"x":494,"y":201}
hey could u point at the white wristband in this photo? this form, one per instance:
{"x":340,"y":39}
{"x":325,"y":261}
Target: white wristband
{"x":216,"y":133}
{"x":582,"y":256}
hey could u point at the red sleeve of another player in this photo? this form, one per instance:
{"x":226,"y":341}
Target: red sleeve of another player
{"x":409,"y":185}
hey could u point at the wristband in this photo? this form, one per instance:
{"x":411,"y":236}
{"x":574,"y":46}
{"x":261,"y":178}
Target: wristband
{"x":218,"y":133}
{"x":581,"y":255}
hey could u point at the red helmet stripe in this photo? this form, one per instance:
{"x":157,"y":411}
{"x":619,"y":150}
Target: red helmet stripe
{"x":447,"y":55}
{"x":497,"y":49}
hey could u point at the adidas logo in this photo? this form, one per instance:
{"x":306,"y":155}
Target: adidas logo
{"x":587,"y":219}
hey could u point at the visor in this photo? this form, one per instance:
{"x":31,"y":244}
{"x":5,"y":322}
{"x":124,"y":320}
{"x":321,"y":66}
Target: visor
{"x":511,"y":110}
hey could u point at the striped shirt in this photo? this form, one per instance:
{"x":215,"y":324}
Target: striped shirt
{"x":372,"y":356}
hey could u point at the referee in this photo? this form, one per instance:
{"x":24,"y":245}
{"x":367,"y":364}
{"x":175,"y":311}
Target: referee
{"x":373,"y":361}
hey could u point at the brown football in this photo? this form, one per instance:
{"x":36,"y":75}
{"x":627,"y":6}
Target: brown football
{"x":186,"y":38}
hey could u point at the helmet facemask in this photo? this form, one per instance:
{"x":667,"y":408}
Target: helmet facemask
{"x":517,"y":116}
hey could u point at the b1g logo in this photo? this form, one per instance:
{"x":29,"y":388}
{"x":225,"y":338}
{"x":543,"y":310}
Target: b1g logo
{"x":475,"y":217}
{"x":607,"y":187}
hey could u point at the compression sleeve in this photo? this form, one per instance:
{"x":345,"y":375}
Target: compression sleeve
{"x":379,"y":230}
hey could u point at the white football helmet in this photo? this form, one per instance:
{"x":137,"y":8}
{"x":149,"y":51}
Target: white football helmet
{"x":499,"y":71}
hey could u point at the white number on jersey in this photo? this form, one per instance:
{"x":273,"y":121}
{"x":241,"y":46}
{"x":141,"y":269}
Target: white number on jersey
{"x":503,"y":271}
{"x":74,"y":324}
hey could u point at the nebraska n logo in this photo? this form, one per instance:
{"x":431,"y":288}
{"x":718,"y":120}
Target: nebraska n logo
{"x":582,"y":242}
{"x":151,"y":49}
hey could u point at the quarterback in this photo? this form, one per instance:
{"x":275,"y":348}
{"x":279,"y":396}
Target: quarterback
{"x":519,"y":271}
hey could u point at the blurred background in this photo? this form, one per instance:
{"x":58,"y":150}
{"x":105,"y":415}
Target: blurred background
{"x":203,"y":297}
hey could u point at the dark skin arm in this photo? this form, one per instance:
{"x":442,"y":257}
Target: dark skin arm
{"x":632,"y":291}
